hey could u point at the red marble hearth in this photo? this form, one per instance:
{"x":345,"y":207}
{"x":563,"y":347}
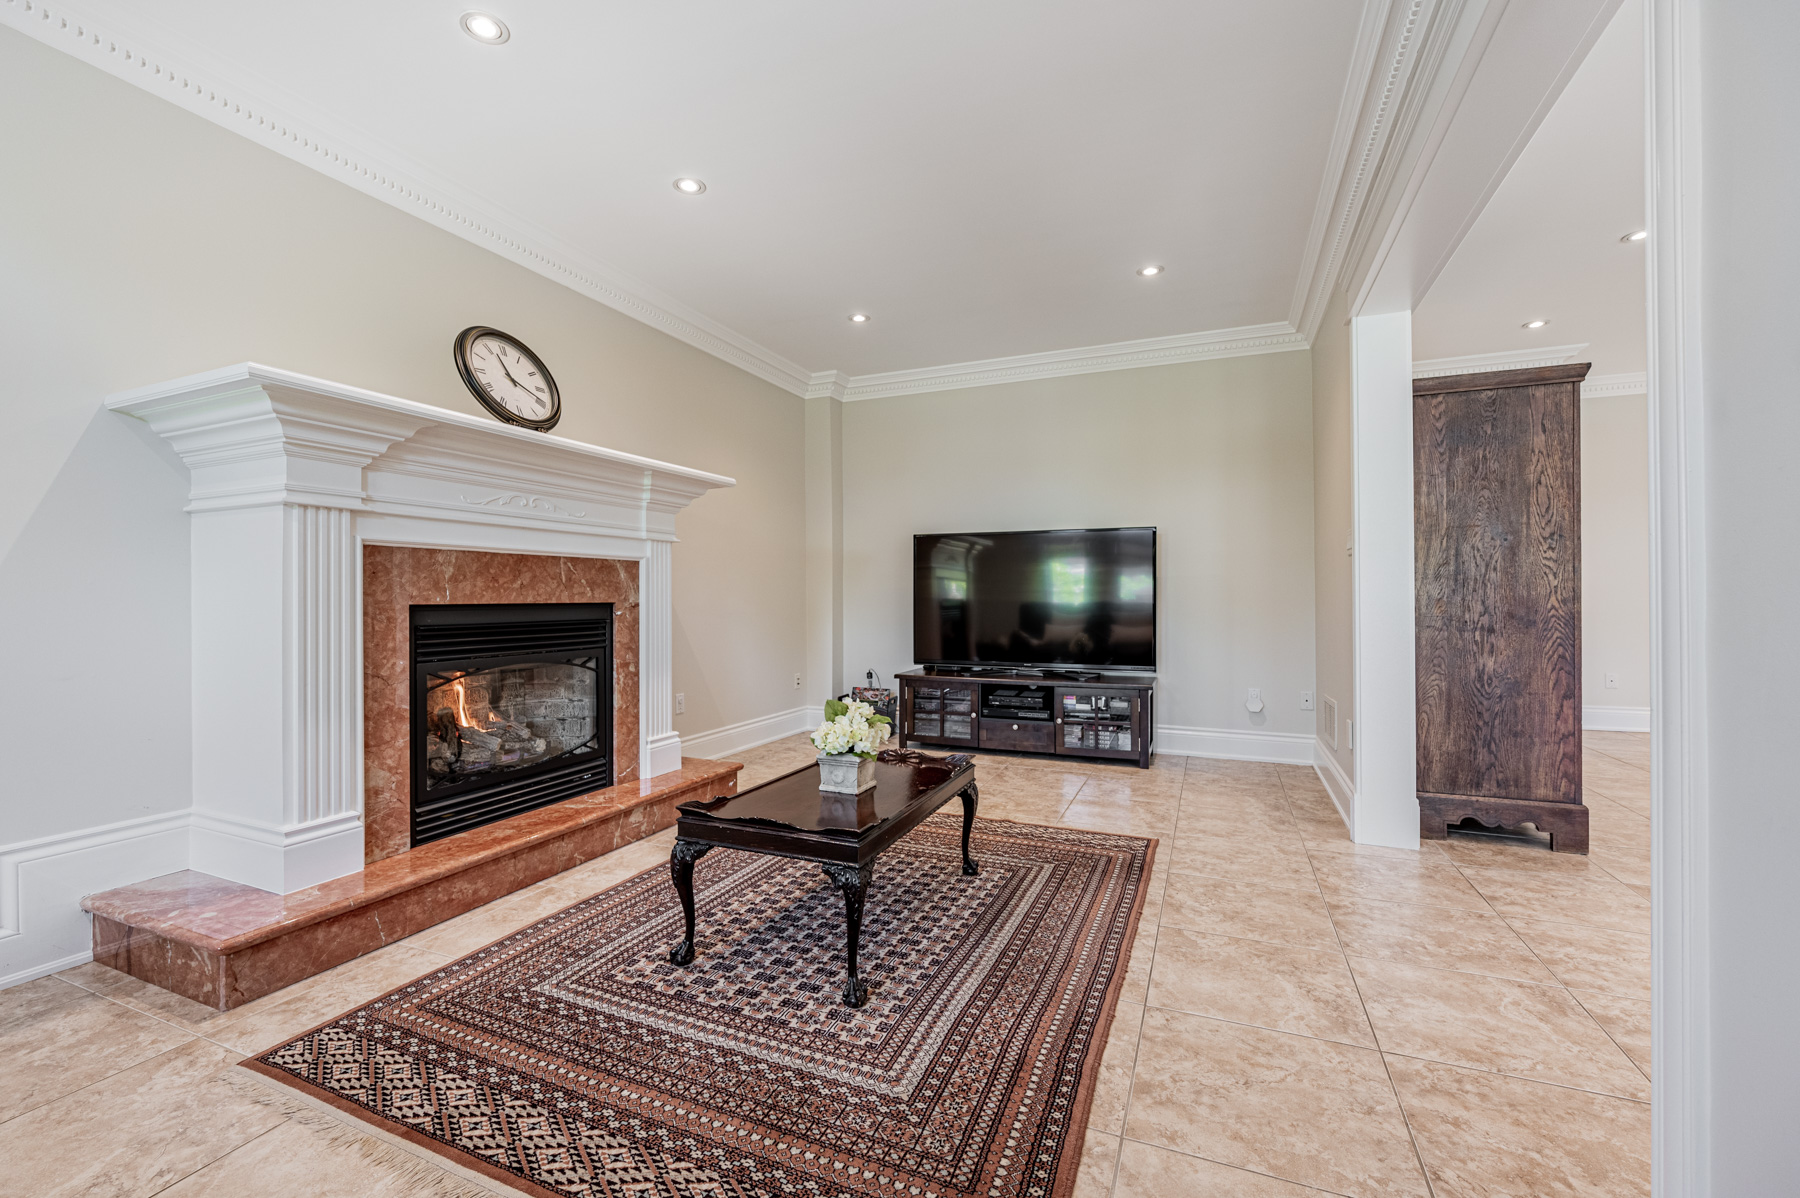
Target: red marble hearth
{"x":223,"y":943}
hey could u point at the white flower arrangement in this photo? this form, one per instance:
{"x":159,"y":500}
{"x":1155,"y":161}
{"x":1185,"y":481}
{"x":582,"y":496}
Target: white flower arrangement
{"x":851,"y":728}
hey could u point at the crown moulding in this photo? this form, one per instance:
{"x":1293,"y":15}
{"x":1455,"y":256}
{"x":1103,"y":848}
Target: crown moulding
{"x":1122,"y":355}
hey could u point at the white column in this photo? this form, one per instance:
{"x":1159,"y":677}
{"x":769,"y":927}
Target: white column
{"x":656,"y":686}
{"x":277,"y":745}
{"x":824,"y":549}
{"x":1386,"y":729}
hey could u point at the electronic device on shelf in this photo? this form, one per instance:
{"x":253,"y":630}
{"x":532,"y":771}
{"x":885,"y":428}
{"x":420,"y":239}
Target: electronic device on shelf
{"x":1113,"y":717}
{"x":1081,"y":601}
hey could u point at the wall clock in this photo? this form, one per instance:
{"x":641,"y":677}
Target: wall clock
{"x":510,"y":381}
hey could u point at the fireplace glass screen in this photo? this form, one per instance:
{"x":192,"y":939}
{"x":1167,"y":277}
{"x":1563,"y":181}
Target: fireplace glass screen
{"x":486,"y":720}
{"x":511,"y":710}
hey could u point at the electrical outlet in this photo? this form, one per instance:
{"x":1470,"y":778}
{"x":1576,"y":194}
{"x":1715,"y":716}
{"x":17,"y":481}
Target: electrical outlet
{"x":1254,"y":702}
{"x":796,"y":682}
{"x":1612,"y":682}
{"x":680,"y":703}
{"x":1306,"y":702}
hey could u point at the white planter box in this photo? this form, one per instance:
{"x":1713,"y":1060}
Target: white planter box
{"x":845,"y":773}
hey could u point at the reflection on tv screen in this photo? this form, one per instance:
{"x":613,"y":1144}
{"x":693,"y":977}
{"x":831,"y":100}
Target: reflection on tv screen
{"x":1070,"y":597}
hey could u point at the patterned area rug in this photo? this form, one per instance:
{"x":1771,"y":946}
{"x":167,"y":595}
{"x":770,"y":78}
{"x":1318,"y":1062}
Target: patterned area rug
{"x":572,"y":1059}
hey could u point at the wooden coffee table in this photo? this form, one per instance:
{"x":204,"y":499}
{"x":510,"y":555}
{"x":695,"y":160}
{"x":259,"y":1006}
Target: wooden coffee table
{"x":791,"y":817}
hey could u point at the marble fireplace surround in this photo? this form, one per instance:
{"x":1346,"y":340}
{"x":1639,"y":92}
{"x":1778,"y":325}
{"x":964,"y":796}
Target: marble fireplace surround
{"x":397,"y":577}
{"x":296,"y":485}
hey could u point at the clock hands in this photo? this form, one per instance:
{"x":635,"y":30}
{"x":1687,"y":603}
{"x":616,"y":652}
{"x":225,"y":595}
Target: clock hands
{"x":529,"y":394}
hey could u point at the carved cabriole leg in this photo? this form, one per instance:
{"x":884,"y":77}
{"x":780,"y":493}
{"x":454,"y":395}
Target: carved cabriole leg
{"x":681,"y":869}
{"x":853,"y":880}
{"x":971,"y":798}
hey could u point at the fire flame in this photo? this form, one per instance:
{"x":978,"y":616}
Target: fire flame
{"x":462,"y":711}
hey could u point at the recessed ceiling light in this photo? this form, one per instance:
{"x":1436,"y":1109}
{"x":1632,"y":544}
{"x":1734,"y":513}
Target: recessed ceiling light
{"x":1637,"y":236}
{"x":689,"y":187}
{"x":859,"y":318}
{"x":1149,"y":272}
{"x":1536,"y":324}
{"x":485,"y":28}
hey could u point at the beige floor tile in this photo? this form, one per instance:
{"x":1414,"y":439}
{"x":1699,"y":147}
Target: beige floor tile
{"x":258,"y":1026}
{"x":136,"y":1131}
{"x":1631,"y":871}
{"x":1597,"y":802}
{"x":1302,"y":1110}
{"x":1536,"y":1032}
{"x":1642,"y":892}
{"x":141,"y":996}
{"x":1235,"y":861}
{"x":1596,"y":900}
{"x":59,"y":1049}
{"x":1116,"y":1065}
{"x":1252,"y":823}
{"x":1591,"y":958}
{"x":1275,"y":914}
{"x":485,"y":925}
{"x":1099,"y":1162}
{"x":1632,"y":748}
{"x":316,"y":1159}
{"x":1639,"y":803}
{"x":1613,"y":777}
{"x":1137,"y":787}
{"x":1395,"y":880}
{"x":1146,"y":1171}
{"x":1626,"y":1020}
{"x":1444,"y":937}
{"x":30,"y":1001}
{"x":1224,"y":768}
{"x":1328,"y":836}
{"x":1131,"y":819}
{"x":1022,"y":811}
{"x":1467,"y":853}
{"x":1487,"y":1136}
{"x":1305,"y":991}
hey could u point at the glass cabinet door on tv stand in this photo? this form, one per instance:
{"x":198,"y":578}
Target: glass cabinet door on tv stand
{"x":1110,"y":719}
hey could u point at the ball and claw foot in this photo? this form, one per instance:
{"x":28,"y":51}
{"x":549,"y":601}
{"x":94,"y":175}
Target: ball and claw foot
{"x":855,"y":993}
{"x":970,"y":868}
{"x":682,"y":954}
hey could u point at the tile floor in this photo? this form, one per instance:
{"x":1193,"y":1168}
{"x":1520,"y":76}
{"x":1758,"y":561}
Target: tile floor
{"x":1303,"y":1016}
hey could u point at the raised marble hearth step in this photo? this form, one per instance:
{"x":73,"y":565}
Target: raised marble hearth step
{"x":224,"y":943}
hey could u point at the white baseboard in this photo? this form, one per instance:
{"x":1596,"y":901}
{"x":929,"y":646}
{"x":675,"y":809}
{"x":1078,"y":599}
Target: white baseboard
{"x":1337,"y":784}
{"x":1616,"y":719}
{"x":42,"y":882}
{"x":1237,"y":745}
{"x":747,"y":734}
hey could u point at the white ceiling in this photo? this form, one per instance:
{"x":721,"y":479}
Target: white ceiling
{"x":982,"y":179}
{"x":1547,"y":245}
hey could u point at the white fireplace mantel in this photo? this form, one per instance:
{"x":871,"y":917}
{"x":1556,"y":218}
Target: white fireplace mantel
{"x":289,"y":477}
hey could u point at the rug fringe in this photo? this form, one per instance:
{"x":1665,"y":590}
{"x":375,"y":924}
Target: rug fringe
{"x":417,"y":1174}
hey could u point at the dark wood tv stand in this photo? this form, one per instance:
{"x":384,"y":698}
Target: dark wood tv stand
{"x":1067,"y":712}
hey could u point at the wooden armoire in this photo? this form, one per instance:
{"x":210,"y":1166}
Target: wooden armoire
{"x":1497,"y":555}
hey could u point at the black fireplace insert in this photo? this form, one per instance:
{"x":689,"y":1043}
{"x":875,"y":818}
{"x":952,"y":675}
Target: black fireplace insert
{"x":511,"y":710}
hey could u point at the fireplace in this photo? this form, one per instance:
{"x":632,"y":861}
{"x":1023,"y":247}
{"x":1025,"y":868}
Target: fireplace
{"x":511,"y":710}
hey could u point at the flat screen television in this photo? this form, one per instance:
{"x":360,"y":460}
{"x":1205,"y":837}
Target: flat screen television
{"x":1067,"y":597}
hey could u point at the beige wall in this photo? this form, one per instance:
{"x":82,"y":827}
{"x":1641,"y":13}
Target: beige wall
{"x":1218,"y":455}
{"x":1615,"y":551}
{"x":1333,"y":507}
{"x":139,"y":243}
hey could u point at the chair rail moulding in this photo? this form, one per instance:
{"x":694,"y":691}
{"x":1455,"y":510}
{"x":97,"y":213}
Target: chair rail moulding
{"x":290,"y":477}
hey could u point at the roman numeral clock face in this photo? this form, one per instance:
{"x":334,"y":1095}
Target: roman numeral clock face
{"x":508,"y":379}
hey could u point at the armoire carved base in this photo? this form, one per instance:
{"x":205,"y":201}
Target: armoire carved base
{"x":1565,"y":823}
